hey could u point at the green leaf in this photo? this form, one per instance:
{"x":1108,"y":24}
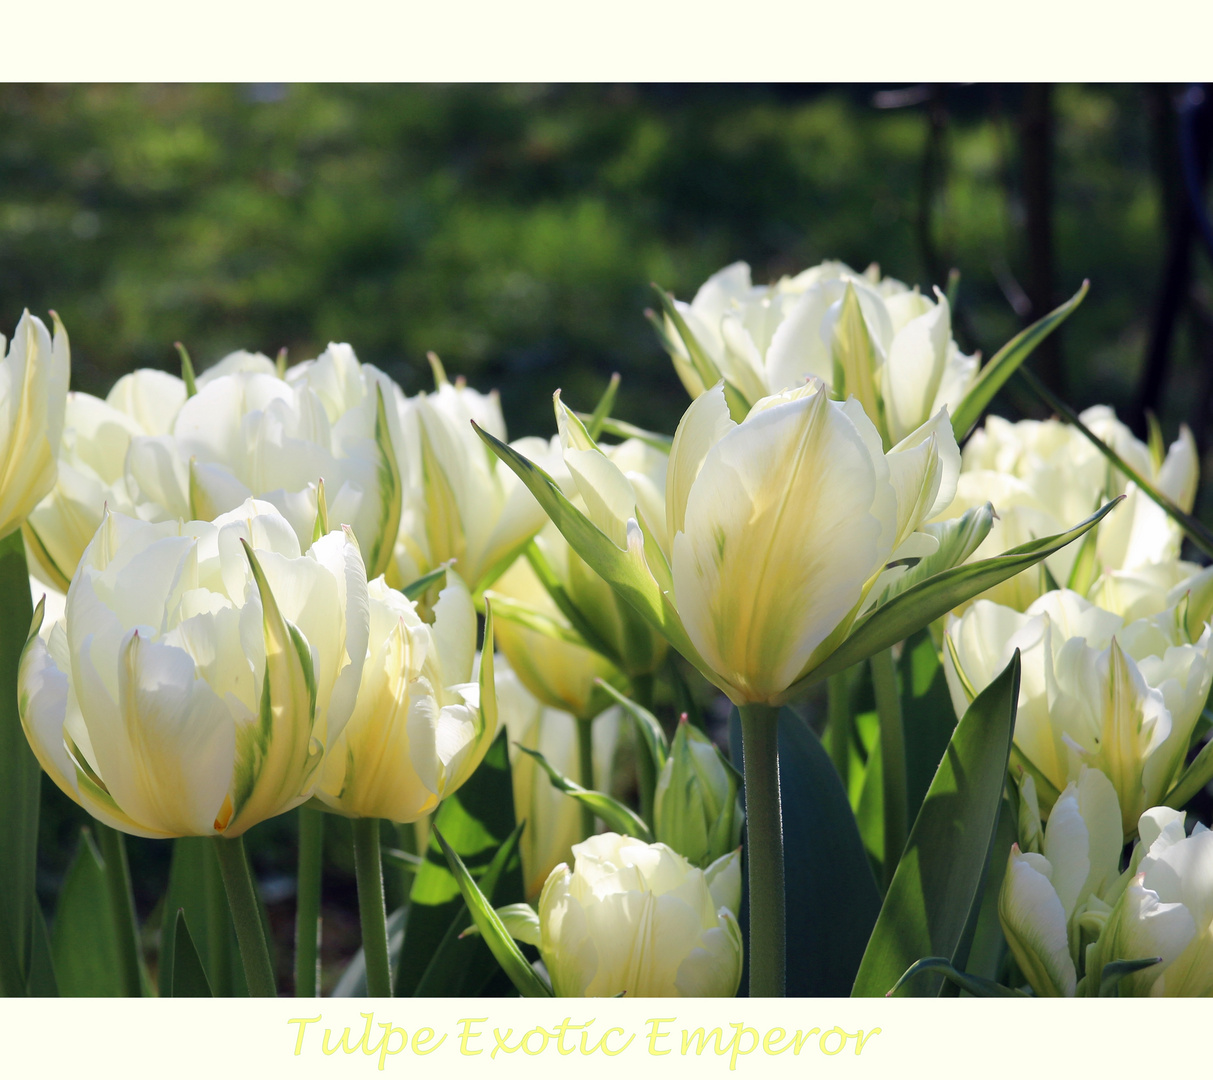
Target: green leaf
{"x":1003,"y":363}
{"x":353,"y":979}
{"x":618,"y":818}
{"x":83,"y":947}
{"x":621,"y":429}
{"x":524,"y":614}
{"x":520,"y":920}
{"x":477,"y":821}
{"x":624,"y":570}
{"x":1195,"y":777}
{"x":927,"y":714}
{"x":491,"y":928}
{"x":187,"y":371}
{"x":647,"y":725}
{"x":928,"y":600}
{"x":958,"y":539}
{"x":603,"y":409}
{"x":1196,"y":530}
{"x":976,"y":985}
{"x":936,"y":892}
{"x":189,"y":979}
{"x":41,"y":981}
{"x":417,"y":589}
{"x":560,"y":597}
{"x":1115,"y":970}
{"x":20,"y":777}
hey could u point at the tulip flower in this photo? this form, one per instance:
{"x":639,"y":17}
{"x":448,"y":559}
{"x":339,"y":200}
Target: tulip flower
{"x":1043,"y":476}
{"x":638,"y":919}
{"x":461,"y":503}
{"x":553,"y":820}
{"x":1123,"y":697}
{"x":1165,"y":910}
{"x":1046,"y":894}
{"x":97,"y":436}
{"x":199,"y":671}
{"x":887,"y":345}
{"x":249,"y":433}
{"x":34,"y":375}
{"x":696,"y":806}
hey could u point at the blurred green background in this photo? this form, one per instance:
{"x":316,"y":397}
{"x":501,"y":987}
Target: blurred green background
{"x":516,"y":229}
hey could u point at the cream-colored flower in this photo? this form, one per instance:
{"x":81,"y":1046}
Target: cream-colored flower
{"x":199,"y":672}
{"x":1095,"y":690}
{"x":638,"y":919}
{"x":420,"y":727}
{"x":34,"y":374}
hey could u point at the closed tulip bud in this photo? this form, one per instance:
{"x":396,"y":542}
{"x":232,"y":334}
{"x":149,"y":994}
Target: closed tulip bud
{"x":461,"y":502}
{"x":869,"y":337}
{"x":1123,"y":697}
{"x":97,"y":436}
{"x":553,"y":820}
{"x":1166,"y":910}
{"x":249,"y":432}
{"x":199,"y":672}
{"x":34,"y":375}
{"x":419,"y":728}
{"x":1046,"y":895}
{"x":637,"y":919}
{"x":696,"y":808}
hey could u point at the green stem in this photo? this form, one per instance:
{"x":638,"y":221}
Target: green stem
{"x":646,"y":767}
{"x":242,"y":899}
{"x":585,"y":771}
{"x":219,"y":938}
{"x":839,"y":723}
{"x":122,"y":904}
{"x":892,"y":759}
{"x":764,"y":849}
{"x":307,"y":904}
{"x":368,"y":867}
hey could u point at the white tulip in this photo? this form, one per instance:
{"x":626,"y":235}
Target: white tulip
{"x":1095,"y":690}
{"x":199,"y":672}
{"x":34,"y":375}
{"x":419,"y":728}
{"x":638,"y":919}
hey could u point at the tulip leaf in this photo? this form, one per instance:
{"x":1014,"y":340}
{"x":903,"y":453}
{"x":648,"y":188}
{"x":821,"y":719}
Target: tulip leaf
{"x":933,"y":900}
{"x":83,"y":946}
{"x":20,"y":777}
{"x":647,"y":725}
{"x":187,"y":370}
{"x":974,"y":984}
{"x":958,"y":539}
{"x":1194,"y":779}
{"x":476,"y":820}
{"x":1003,"y":364}
{"x":530,"y":617}
{"x":822,"y":850}
{"x":925,"y":602}
{"x":602,"y":410}
{"x":521,"y":920}
{"x":619,"y":818}
{"x":189,"y":978}
{"x":417,"y":589}
{"x":41,"y":981}
{"x":1115,"y":970}
{"x":492,"y":929}
{"x":560,"y":597}
{"x":1196,"y":531}
{"x":927,"y":714}
{"x":621,"y":429}
{"x":622,"y":569}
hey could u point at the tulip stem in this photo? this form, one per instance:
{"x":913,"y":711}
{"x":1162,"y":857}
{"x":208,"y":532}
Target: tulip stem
{"x":838,"y":714}
{"x":764,"y":849}
{"x":892,"y":759}
{"x":368,"y":868}
{"x":122,"y":905}
{"x":250,"y":933}
{"x":307,"y":902}
{"x":585,"y":771}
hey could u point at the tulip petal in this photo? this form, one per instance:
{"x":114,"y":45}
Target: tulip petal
{"x":702,"y":426}
{"x":1035,"y":924}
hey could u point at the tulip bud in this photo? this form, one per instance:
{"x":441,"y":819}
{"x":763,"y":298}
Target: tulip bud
{"x":637,"y":919}
{"x":696,"y":808}
{"x":199,"y":672}
{"x":34,"y":375}
{"x":419,"y":728}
